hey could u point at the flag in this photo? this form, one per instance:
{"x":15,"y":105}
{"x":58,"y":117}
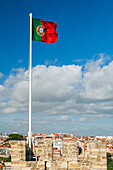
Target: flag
{"x":44,"y":31}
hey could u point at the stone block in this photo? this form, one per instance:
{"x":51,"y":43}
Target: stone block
{"x":26,"y":168}
{"x":103,"y":158}
{"x":50,"y":155}
{"x":15,"y":168}
{"x":64,"y":165}
{"x":73,"y":164}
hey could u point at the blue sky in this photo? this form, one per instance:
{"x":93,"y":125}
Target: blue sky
{"x":79,"y":67}
{"x":84,"y":28}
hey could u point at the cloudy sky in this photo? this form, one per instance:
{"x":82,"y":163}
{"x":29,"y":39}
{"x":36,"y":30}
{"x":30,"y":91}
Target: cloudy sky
{"x":72,"y":80}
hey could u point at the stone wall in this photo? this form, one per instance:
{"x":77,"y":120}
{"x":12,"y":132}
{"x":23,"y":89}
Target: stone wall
{"x":97,"y":155}
{"x":69,"y":150}
{"x":45,"y":150}
{"x":94,"y":157}
{"x":18,"y":150}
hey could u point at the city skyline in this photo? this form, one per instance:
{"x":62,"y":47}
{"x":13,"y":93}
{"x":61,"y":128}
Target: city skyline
{"x":72,"y":80}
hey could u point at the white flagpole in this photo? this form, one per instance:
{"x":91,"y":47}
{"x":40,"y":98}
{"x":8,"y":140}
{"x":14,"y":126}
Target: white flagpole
{"x":30,"y":70}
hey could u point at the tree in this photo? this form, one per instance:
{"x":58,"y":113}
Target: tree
{"x":15,"y":137}
{"x":108,"y":155}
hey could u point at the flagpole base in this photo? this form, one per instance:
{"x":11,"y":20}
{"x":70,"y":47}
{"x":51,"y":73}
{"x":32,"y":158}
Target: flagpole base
{"x":30,"y":144}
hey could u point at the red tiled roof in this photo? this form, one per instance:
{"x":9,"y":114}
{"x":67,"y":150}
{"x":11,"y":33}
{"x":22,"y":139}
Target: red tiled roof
{"x":55,"y":148}
{"x":7,"y":146}
{"x":98,"y":139}
{"x":79,"y":137}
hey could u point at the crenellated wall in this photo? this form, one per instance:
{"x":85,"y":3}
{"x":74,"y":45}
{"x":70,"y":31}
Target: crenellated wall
{"x":94,"y":157}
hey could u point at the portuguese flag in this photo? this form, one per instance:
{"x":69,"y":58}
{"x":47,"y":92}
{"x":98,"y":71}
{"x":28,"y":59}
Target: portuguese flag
{"x":44,"y":31}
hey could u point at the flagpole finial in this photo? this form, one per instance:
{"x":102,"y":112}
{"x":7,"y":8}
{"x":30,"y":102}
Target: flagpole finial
{"x":30,"y":14}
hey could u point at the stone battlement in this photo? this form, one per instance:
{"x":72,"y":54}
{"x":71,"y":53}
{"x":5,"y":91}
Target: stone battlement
{"x":93,"y":158}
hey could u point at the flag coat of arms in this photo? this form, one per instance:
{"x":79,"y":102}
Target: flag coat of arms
{"x":44,"y":31}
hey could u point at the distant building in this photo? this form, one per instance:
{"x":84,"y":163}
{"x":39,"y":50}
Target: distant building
{"x":5,"y":150}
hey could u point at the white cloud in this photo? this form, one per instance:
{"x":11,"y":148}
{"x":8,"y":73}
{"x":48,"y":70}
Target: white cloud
{"x":83,"y":119}
{"x":63,"y":118}
{"x":20,"y":61}
{"x":77,"y":60}
{"x":1,"y":75}
{"x":50,"y":62}
{"x":64,"y":91}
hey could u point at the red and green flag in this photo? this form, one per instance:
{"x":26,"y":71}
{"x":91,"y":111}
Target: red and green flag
{"x":44,"y":31}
